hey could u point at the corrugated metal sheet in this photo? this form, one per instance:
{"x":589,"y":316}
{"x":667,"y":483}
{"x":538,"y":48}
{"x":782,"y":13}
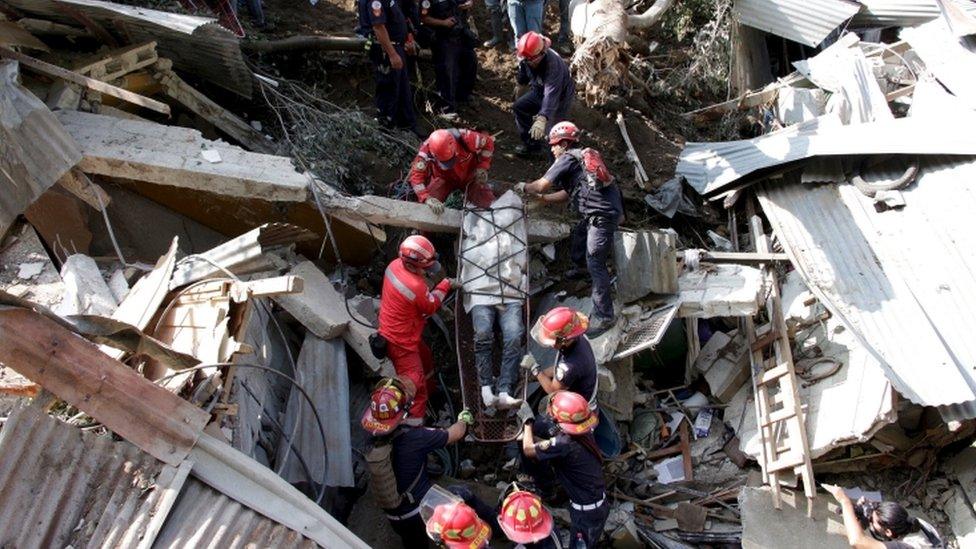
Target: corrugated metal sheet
{"x":711,"y":167}
{"x":847,"y":73}
{"x":902,"y":13}
{"x":197,"y":45}
{"x":205,"y":518}
{"x":647,"y":332}
{"x":35,"y":150}
{"x":904,"y":281}
{"x":804,"y":21}
{"x":952,"y":60}
{"x":241,"y":255}
{"x":61,"y":487}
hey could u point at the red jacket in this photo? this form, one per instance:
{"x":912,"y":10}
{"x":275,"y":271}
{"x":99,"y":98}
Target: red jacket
{"x":405,"y":304}
{"x":474,"y":152}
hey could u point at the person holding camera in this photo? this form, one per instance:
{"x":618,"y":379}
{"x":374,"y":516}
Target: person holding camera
{"x":452,"y":46}
{"x":882,"y":525}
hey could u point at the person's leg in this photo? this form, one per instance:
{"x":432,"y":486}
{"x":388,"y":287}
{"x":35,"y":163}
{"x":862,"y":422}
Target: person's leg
{"x":577,"y":244}
{"x":497,"y":16}
{"x":513,"y":340}
{"x":564,"y":31}
{"x":516,"y":14}
{"x":599,"y":242}
{"x":533,"y":15}
{"x":467,"y":73}
{"x":404,"y":117}
{"x":412,"y":532}
{"x":386,"y":92}
{"x":483,"y":321}
{"x":442,"y":72}
{"x":486,"y":512}
{"x":525,"y":109}
{"x":427,"y":363}
{"x":408,"y":364}
{"x":588,"y":525}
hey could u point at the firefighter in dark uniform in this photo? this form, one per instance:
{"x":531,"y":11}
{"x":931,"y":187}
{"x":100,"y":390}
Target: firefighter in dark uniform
{"x":452,"y":46}
{"x":570,"y":453}
{"x":384,"y":24}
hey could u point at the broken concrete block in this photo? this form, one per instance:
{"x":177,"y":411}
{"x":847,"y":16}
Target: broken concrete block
{"x":28,"y":271}
{"x":765,"y":527}
{"x":722,"y":290}
{"x":645,"y":262}
{"x":24,"y":248}
{"x":726,"y":367}
{"x":962,"y":518}
{"x":86,"y":291}
{"x":619,"y":400}
{"x":118,"y":285}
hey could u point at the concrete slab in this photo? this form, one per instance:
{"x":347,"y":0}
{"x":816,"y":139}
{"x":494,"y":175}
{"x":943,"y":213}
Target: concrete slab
{"x":86,"y":292}
{"x":645,"y":262}
{"x":962,"y":518}
{"x":170,"y":155}
{"x":764,"y":527}
{"x":721,"y":290}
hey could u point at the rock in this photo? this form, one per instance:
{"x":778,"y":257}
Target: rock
{"x":30,"y":270}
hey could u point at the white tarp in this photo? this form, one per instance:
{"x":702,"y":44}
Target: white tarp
{"x":494,"y":256}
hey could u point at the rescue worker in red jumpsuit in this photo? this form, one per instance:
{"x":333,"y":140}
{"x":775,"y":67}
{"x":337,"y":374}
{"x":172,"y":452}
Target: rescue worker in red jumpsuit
{"x":405,"y":305}
{"x":453,"y":159}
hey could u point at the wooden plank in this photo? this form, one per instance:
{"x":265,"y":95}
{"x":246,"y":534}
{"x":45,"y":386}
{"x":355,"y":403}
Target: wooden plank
{"x":160,"y":423}
{"x":77,"y":183}
{"x":115,"y":64}
{"x":267,"y":287}
{"x":774,"y":373}
{"x":748,"y":258}
{"x":90,"y":83}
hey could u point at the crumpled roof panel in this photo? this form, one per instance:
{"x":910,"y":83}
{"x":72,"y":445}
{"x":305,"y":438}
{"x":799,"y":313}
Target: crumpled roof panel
{"x":804,"y":21}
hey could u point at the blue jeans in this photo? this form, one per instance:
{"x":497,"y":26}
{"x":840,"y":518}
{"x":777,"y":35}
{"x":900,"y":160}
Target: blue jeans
{"x":526,"y":15}
{"x":564,"y":31}
{"x":512,"y":323}
{"x":590,"y":246}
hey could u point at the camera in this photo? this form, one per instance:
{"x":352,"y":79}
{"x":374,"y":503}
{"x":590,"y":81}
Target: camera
{"x":863,"y":510}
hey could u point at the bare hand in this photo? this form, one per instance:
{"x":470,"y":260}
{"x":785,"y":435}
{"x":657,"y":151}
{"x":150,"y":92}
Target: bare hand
{"x":835,"y":491}
{"x":396,"y":62}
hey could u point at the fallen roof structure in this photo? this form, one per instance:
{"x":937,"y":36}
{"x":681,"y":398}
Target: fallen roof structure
{"x":952,"y":60}
{"x":35,"y":150}
{"x":198,"y":45}
{"x":804,"y":21}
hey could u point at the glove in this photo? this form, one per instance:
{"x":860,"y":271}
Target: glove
{"x":455,"y":283}
{"x":466,"y":417}
{"x":520,"y":187}
{"x":525,"y":413}
{"x":529,"y":363}
{"x":481,"y":176}
{"x":436,"y":206}
{"x":538,"y":129}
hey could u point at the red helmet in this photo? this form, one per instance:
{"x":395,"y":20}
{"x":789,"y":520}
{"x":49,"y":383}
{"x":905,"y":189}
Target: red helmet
{"x":417,"y":251}
{"x":388,"y":405}
{"x":458,"y":526}
{"x":523,"y":518}
{"x":564,"y":131}
{"x":443,"y":147}
{"x":531,"y":45}
{"x":561,"y":324}
{"x":572,"y":412}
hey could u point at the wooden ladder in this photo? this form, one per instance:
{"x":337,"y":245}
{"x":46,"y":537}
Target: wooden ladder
{"x":779,"y":411}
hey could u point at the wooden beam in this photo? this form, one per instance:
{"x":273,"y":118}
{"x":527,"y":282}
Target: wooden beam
{"x":77,"y":183}
{"x":90,"y":83}
{"x":160,"y":423}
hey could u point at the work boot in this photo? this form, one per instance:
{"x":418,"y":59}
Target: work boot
{"x":598,"y":325}
{"x":497,"y":28}
{"x":487,"y":396}
{"x":506,"y":401}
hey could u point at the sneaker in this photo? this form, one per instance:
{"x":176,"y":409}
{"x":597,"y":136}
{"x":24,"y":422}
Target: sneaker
{"x":506,"y":401}
{"x":495,"y":40}
{"x":599,"y":325}
{"x":487,"y":397}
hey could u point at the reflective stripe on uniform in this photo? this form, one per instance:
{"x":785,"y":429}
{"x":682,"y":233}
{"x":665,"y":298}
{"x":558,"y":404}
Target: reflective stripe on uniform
{"x":399,"y":285}
{"x":438,"y":294}
{"x":420,"y":187}
{"x":485,"y":153}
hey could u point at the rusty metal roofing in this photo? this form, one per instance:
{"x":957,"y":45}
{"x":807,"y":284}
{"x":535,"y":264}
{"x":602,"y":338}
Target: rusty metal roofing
{"x":205,"y":518}
{"x":61,"y":487}
{"x":35,"y":150}
{"x":197,"y":45}
{"x":903,"y":281}
{"x":804,"y":21}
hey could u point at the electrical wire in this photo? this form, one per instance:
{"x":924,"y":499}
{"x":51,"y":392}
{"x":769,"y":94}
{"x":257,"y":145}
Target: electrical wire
{"x":108,"y":224}
{"x":294,"y":382}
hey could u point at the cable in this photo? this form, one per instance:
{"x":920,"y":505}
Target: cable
{"x":108,"y":224}
{"x":295,"y":383}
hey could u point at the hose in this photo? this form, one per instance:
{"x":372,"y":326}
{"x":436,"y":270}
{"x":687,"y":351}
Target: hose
{"x":871,"y":189}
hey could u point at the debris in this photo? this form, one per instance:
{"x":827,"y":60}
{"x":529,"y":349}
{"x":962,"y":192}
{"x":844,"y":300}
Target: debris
{"x":77,"y":183}
{"x":170,"y":155}
{"x":211,"y":155}
{"x":23,"y":247}
{"x":764,"y":526}
{"x":962,"y":517}
{"x":670,"y":470}
{"x":670,"y":198}
{"x":62,"y":221}
{"x":654,"y":251}
{"x":28,"y":271}
{"x":724,"y":361}
{"x":690,"y":517}
{"x":86,"y":291}
{"x":118,"y":285}
{"x":639,"y":174}
{"x":14,"y":35}
{"x":721,"y":290}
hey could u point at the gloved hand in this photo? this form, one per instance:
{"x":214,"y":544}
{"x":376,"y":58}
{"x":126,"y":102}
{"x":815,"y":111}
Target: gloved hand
{"x":466,"y":417}
{"x":538,"y":129}
{"x":529,"y":363}
{"x":436,"y":206}
{"x":519,"y":187}
{"x":481,"y":176}
{"x":525,"y":413}
{"x":455,"y":283}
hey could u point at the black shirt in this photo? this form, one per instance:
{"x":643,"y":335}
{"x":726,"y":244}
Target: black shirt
{"x":383,"y":12}
{"x":567,"y":174}
{"x":577,"y":468}
{"x":576,"y":370}
{"x":410,"y":449}
{"x":442,"y":9}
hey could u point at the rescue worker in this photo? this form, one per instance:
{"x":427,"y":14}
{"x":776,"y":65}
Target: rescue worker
{"x":550,"y":96}
{"x":384,"y":24}
{"x":575,"y":460}
{"x":457,"y":525}
{"x":453,"y":159}
{"x":526,"y":521}
{"x":405,"y":304}
{"x":601,"y":210}
{"x":562,"y":329}
{"x":452,"y":47}
{"x":384,"y":420}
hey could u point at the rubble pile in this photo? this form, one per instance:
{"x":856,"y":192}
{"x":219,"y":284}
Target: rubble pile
{"x":188,"y":304}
